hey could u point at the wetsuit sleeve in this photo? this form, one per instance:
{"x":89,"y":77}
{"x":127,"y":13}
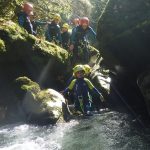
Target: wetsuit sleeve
{"x":21,"y":20}
{"x":73,"y":35}
{"x":92,"y":32}
{"x":90,"y":85}
{"x":70,"y":87}
{"x":59,"y":34}
{"x":48,"y":36}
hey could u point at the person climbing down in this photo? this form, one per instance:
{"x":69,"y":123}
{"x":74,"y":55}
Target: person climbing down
{"x":65,"y":36}
{"x":53,"y":33}
{"x":79,"y":41}
{"x":88,"y":70}
{"x":24,"y":19}
{"x":81,"y":87}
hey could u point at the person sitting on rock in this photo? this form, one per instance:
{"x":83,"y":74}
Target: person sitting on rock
{"x":53,"y":33}
{"x":65,"y":36}
{"x":79,"y":41}
{"x":24,"y":18}
{"x":81,"y":87}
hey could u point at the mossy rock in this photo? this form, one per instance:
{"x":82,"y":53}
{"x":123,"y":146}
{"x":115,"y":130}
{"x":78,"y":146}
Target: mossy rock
{"x":2,"y":46}
{"x":27,"y":85}
{"x":22,"y":54}
{"x":19,"y":42}
{"x":40,"y":105}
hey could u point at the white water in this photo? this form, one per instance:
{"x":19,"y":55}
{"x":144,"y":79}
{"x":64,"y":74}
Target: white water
{"x":107,"y":131}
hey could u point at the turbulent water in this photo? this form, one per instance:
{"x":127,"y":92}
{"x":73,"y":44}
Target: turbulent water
{"x":106,"y":131}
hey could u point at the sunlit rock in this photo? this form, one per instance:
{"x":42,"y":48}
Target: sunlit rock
{"x":41,"y":106}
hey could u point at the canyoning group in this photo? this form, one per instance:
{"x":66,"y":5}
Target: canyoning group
{"x":79,"y":88}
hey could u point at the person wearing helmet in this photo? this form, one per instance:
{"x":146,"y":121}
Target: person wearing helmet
{"x":53,"y":33}
{"x":88,"y":70}
{"x":65,"y":36}
{"x":79,"y":41}
{"x":75,"y":22}
{"x":81,"y":87}
{"x":24,"y":17}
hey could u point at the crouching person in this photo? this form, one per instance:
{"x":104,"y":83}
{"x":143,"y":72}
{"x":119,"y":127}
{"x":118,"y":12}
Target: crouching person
{"x":81,"y":87}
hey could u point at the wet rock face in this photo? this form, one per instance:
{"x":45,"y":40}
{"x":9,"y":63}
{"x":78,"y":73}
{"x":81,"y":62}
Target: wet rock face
{"x":40,"y":106}
{"x":144,"y":85}
{"x":22,"y":54}
{"x":124,"y":33}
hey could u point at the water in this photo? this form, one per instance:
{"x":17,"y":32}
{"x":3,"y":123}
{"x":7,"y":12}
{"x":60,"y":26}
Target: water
{"x":106,"y":131}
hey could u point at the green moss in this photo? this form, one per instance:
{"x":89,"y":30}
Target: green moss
{"x":50,"y":49}
{"x":28,"y":85}
{"x":2,"y":46}
{"x":18,"y":37}
{"x":43,"y":96}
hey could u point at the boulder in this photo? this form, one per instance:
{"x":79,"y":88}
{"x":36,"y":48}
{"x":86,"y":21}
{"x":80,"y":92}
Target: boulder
{"x":40,"y":106}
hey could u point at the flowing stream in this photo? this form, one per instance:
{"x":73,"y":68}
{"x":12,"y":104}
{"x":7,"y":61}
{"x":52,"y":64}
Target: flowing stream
{"x":106,"y":131}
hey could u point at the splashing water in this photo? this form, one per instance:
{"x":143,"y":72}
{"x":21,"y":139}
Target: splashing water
{"x":106,"y":131}
{"x":30,"y":137}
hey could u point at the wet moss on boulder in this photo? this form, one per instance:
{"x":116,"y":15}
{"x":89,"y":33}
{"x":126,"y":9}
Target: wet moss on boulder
{"x":40,"y":106}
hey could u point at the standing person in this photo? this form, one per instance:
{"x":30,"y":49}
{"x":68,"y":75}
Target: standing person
{"x":81,"y":87}
{"x":24,"y":17}
{"x":65,"y":36}
{"x":79,"y":41}
{"x":76,"y":22}
{"x":53,"y":33}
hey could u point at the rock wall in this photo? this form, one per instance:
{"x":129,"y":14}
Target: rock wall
{"x":22,"y":54}
{"x":123,"y":34}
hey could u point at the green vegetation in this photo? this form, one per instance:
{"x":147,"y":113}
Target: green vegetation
{"x":20,"y":42}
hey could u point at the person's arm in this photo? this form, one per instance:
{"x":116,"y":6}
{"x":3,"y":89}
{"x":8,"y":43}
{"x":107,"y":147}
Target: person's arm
{"x":40,"y":23}
{"x":59,"y":38}
{"x":21,"y":20}
{"x":73,"y":36}
{"x":48,"y":36}
{"x":92,"y":32}
{"x":70,"y":87}
{"x":91,"y":87}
